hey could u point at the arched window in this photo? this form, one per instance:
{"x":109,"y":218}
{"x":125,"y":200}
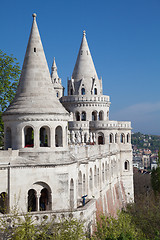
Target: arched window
{"x":77,"y":116}
{"x":128,"y":138}
{"x":90,"y":180}
{"x":8,"y":142}
{"x":71,"y":193}
{"x":83,"y":116}
{"x":101,"y":115}
{"x":95,"y":91}
{"x":126,"y":165}
{"x":100,"y":139}
{"x":44,"y":136}
{"x":29,"y":136}
{"x":3,"y":203}
{"x":57,"y":94}
{"x":58,"y":137}
{"x":122,"y":138}
{"x":111,"y":138}
{"x":32,"y":200}
{"x":79,"y":184}
{"x":44,"y":200}
{"x":94,"y":116}
{"x":83,"y":91}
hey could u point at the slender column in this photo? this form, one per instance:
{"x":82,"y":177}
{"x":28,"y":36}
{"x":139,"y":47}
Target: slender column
{"x":36,"y":138}
{"x":52,"y":137}
{"x":38,"y":199}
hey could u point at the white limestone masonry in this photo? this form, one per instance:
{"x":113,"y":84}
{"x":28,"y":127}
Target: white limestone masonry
{"x":58,"y":148}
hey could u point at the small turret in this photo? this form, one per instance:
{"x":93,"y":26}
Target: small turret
{"x":56,"y":80}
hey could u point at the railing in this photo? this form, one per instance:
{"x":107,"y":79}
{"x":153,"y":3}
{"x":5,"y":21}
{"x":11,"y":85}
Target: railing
{"x":82,"y":213}
{"x":77,"y":98}
{"x":110,"y":124}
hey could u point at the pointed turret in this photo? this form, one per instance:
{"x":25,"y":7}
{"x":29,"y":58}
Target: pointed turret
{"x":54,"y":74}
{"x":56,"y":80}
{"x":84,"y":79}
{"x":84,"y":67}
{"x":35,"y":93}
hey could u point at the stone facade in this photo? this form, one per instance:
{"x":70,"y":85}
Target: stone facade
{"x":60,"y":148}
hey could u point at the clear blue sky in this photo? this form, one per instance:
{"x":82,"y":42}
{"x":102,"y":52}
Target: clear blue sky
{"x":124,"y":39}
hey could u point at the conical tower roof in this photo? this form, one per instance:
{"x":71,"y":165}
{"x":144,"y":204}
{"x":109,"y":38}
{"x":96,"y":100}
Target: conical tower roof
{"x":84,"y":67}
{"x":35,"y":93}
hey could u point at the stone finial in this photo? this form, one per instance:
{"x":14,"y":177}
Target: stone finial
{"x":84,"y":33}
{"x":34,"y":15}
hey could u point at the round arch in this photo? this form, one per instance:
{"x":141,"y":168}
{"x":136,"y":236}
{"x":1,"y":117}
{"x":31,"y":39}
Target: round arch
{"x":58,"y":136}
{"x":28,"y":136}
{"x":100,"y":138}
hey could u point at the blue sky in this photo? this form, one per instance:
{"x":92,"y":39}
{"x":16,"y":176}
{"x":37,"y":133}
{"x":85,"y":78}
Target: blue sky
{"x":124,"y":40}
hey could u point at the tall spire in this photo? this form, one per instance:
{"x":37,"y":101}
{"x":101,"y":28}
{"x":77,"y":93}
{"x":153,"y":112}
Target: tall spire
{"x":84,"y":67}
{"x":35,"y":93}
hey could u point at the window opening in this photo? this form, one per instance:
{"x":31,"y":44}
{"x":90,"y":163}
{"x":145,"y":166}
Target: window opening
{"x":83,"y":91}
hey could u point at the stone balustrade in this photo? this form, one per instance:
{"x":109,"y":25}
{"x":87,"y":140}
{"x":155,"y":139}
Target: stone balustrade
{"x":110,"y":124}
{"x":83,"y":98}
{"x":84,"y":213}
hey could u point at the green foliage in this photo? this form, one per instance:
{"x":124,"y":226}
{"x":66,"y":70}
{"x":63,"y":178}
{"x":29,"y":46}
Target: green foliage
{"x":155,"y":177}
{"x":15,"y":227}
{"x":68,"y":229}
{"x":120,"y":228}
{"x":145,"y":214}
{"x":155,"y":180}
{"x":9,"y":76}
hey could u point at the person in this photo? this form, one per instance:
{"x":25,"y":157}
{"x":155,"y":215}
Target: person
{"x":84,"y":199}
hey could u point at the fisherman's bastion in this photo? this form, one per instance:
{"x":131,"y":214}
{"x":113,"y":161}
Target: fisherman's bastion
{"x":63,"y":156}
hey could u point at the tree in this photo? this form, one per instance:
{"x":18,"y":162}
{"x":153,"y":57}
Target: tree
{"x":9,"y":76}
{"x":120,"y":228}
{"x":17,"y":227}
{"x":155,"y":177}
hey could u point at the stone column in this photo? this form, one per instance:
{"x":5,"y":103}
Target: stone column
{"x":38,"y":200}
{"x":36,"y":138}
{"x":52,"y":137}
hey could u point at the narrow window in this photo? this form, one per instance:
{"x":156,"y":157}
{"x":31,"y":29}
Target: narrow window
{"x":126,"y":165}
{"x":71,"y":91}
{"x":77,"y":116}
{"x":83,"y":116}
{"x":83,"y":91}
{"x":34,"y":49}
{"x":95,"y":91}
{"x":58,"y":137}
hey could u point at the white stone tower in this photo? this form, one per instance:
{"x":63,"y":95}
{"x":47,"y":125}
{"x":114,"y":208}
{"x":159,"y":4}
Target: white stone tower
{"x":35,"y":118}
{"x":85,"y":98}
